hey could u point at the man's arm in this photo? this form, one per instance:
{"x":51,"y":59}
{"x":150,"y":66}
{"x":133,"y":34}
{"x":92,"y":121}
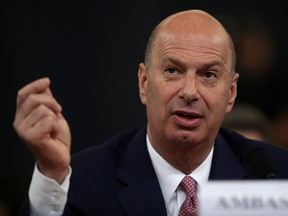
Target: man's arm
{"x":41,"y":125}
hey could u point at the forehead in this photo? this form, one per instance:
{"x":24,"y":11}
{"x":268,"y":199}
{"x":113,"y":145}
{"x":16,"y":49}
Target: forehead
{"x":194,"y":34}
{"x":191,"y":41}
{"x":196,"y":47}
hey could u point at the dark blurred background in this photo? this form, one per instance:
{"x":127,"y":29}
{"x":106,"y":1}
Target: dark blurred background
{"x":91,"y":51}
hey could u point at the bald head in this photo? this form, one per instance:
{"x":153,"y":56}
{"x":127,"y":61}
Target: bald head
{"x":191,"y":24}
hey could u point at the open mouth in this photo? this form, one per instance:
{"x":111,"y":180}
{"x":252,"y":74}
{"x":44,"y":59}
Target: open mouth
{"x":187,"y":120}
{"x":187,"y":115}
{"x":184,"y":115}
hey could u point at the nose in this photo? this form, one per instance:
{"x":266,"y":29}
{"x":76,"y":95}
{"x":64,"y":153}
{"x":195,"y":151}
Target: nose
{"x":189,"y":91}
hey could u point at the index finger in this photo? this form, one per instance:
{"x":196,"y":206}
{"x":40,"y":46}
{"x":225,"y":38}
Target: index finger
{"x":36,"y":86}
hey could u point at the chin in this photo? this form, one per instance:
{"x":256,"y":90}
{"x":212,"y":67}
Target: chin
{"x":185,"y":137}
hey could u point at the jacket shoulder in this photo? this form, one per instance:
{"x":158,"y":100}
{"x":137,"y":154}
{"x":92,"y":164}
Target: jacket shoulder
{"x":243,"y":147}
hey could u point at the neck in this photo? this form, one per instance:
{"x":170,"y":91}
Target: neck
{"x":185,"y":158}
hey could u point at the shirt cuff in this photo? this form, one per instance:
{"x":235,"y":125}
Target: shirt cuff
{"x":48,"y":197}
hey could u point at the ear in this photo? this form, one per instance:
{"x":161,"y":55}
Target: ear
{"x":142,"y":83}
{"x":232,"y":93}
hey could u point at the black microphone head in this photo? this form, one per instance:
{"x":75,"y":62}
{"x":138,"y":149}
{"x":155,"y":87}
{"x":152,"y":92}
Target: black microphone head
{"x":260,"y":164}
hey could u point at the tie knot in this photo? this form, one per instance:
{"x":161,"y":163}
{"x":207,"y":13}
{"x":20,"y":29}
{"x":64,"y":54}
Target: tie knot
{"x":188,"y":184}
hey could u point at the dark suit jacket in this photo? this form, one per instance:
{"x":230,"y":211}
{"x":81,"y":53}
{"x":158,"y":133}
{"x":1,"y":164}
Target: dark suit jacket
{"x":118,"y":178}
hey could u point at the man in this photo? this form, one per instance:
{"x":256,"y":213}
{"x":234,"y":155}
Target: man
{"x":188,"y":83}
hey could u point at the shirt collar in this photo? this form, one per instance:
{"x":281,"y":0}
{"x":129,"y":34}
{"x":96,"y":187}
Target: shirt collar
{"x":169,"y":177}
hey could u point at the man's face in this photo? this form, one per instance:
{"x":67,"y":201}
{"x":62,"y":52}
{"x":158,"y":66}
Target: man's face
{"x":187,"y":88}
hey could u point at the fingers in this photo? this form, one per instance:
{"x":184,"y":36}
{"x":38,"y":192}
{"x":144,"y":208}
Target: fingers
{"x":37,"y":116}
{"x":37,"y":91}
{"x":37,"y":86}
{"x":40,"y":124}
{"x":33,"y":95}
{"x":40,"y":133}
{"x":34,"y":103}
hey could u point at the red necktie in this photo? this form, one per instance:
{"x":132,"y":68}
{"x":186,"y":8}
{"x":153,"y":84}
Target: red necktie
{"x":190,"y":205}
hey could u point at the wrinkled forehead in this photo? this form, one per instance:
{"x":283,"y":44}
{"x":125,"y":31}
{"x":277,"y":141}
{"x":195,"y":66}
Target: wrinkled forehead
{"x":192,"y":39}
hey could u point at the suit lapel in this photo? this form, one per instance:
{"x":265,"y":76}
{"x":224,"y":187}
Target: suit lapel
{"x":143,"y":195}
{"x":225,"y":164}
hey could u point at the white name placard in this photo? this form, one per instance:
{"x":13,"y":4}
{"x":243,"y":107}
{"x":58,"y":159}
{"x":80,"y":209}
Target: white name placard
{"x":244,"y":198}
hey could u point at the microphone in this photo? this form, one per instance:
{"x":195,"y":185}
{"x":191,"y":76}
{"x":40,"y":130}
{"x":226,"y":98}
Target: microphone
{"x":261,"y":165}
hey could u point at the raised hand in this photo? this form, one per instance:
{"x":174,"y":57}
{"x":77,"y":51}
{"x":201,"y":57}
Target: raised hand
{"x":41,"y":125}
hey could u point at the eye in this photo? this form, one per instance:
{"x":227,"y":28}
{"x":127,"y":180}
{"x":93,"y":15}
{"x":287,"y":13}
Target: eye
{"x":209,"y":75}
{"x":171,"y":70}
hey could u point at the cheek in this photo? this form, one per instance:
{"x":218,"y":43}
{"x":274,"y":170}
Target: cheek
{"x":216,"y":101}
{"x":160,"y":94}
{"x":155,"y":96}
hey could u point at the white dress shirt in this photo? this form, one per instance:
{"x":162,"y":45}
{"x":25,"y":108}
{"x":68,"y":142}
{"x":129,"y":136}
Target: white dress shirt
{"x":48,"y":198}
{"x":169,"y":178}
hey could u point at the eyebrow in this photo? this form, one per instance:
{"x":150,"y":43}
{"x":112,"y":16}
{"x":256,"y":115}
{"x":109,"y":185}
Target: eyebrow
{"x":177,"y":61}
{"x":173,"y":60}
